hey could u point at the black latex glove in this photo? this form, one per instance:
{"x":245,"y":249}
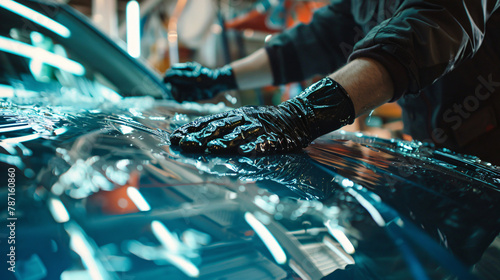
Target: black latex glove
{"x":191,"y":81}
{"x":322,"y":107}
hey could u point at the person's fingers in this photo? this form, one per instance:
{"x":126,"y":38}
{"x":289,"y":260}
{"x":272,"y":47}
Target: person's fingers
{"x":174,"y":151}
{"x":261,"y":145}
{"x":179,"y":77}
{"x":267,"y":143}
{"x":239,"y":136}
{"x":175,"y":138}
{"x":197,"y":141}
{"x":182,"y":74}
{"x":177,"y":93}
{"x":194,"y":126}
{"x":186,"y":66}
{"x":183,"y":93}
{"x":247,"y":131}
{"x":191,"y":92}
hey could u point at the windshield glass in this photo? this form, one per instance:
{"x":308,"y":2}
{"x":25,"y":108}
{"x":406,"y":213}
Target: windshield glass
{"x":49,"y":54}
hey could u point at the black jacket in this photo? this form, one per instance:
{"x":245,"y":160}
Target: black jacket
{"x":443,"y":57}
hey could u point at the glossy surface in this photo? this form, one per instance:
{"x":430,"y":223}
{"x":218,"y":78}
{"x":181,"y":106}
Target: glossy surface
{"x":103,"y":194}
{"x":100,"y":193}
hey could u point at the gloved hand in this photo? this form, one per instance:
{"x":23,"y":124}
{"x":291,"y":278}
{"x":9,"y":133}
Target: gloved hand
{"x":191,"y":81}
{"x":322,"y":107}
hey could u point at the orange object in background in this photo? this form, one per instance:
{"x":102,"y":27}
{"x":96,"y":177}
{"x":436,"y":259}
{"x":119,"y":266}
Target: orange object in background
{"x":388,"y":111}
{"x":297,"y":12}
{"x":159,"y":57}
{"x":162,"y":63}
{"x":303,"y":11}
{"x":117,"y":201}
{"x":254,"y":20}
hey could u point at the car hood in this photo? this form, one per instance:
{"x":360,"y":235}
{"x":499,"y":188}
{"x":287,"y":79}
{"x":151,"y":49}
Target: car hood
{"x":100,"y":193}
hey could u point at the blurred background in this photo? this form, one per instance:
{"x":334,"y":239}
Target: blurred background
{"x":214,"y":33}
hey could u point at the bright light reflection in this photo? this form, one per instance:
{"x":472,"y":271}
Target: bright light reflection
{"x":172,"y":245}
{"x":80,"y":245}
{"x":126,"y":129}
{"x":39,"y":54}
{"x":166,"y":238}
{"x":6,"y":91}
{"x":21,"y":138}
{"x":36,"y":37}
{"x":138,"y":199}
{"x":36,"y":67}
{"x":9,"y":92}
{"x":58,"y":210}
{"x":14,"y":128}
{"x":183,"y":264}
{"x":122,"y":164}
{"x":61,"y":130}
{"x":341,"y":238}
{"x":75,"y":275}
{"x":266,"y":236}
{"x":369,"y":207}
{"x":347,"y":183}
{"x":133,"y":29}
{"x":332,"y":247}
{"x":36,"y":17}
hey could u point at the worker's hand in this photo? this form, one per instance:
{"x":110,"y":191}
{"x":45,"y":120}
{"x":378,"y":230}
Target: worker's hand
{"x":191,"y":81}
{"x":290,"y":126}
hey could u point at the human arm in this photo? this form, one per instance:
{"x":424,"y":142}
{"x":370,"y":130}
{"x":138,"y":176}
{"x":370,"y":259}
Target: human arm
{"x":421,"y":42}
{"x":192,"y":81}
{"x":425,"y":39}
{"x":282,"y":60}
{"x":253,"y":71}
{"x":417,"y":41}
{"x":368,"y":83}
{"x":365,"y":79}
{"x":323,"y":107}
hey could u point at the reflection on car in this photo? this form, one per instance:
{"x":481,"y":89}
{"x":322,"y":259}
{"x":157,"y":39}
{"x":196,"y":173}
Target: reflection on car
{"x":100,"y":194}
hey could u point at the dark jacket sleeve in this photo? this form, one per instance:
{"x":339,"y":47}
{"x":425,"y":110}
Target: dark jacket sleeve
{"x":316,"y":48}
{"x":426,"y":39}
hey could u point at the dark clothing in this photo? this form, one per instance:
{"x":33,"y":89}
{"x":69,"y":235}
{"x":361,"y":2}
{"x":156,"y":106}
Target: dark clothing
{"x":443,"y":57}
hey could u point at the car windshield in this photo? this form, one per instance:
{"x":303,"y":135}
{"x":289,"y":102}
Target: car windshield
{"x":96,"y":191}
{"x":46,"y":55}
